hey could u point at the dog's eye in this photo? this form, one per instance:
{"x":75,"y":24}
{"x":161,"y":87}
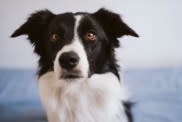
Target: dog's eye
{"x":90,"y":36}
{"x":55,"y":37}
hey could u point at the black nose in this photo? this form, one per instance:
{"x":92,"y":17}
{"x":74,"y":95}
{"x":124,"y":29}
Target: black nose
{"x":68,"y":60}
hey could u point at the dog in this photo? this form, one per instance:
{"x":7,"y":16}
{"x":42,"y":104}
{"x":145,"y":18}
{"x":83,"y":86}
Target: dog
{"x":78,"y":74}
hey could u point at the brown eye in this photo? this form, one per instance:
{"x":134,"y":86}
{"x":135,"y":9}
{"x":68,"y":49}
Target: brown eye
{"x":55,"y":37}
{"x":90,"y":36}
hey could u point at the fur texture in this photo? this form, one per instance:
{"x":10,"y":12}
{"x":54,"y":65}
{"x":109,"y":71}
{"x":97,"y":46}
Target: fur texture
{"x":90,"y":90}
{"x":97,"y":99}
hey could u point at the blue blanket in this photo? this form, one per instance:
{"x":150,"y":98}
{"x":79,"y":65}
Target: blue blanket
{"x":156,"y":94}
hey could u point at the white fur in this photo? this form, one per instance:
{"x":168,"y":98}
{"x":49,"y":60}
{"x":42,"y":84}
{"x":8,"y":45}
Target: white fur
{"x":78,"y":48}
{"x":95,"y":99}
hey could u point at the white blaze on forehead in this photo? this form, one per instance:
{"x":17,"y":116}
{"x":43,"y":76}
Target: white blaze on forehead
{"x":77,"y":47}
{"x":77,"y":22}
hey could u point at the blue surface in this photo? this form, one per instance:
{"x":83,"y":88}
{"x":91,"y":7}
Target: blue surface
{"x":157,"y":94}
{"x":19,"y":101}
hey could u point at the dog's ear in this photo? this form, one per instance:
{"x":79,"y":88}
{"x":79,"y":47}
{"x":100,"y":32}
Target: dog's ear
{"x":35,"y":26}
{"x":113,"y":25}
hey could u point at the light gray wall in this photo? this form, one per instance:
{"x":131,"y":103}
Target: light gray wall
{"x":158,"y":23}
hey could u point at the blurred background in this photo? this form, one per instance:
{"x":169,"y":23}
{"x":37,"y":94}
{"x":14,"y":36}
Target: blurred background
{"x":151,"y":64}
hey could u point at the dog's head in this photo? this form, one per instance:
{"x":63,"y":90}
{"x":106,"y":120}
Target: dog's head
{"x":75,"y":44}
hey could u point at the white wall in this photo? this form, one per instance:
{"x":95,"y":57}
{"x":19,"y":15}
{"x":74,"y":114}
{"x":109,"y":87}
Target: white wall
{"x":158,"y":23}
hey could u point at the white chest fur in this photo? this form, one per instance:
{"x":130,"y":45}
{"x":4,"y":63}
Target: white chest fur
{"x":97,"y":99}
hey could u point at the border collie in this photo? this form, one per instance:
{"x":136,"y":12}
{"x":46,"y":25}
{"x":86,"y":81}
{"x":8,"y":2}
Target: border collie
{"x":78,"y":74}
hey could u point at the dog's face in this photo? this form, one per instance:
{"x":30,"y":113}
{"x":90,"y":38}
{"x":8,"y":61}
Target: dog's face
{"x":75,"y":44}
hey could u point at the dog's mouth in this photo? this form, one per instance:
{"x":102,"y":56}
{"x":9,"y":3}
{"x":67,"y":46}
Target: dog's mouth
{"x":70,"y":75}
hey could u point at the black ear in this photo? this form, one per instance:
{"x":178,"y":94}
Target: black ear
{"x":113,"y":25}
{"x":35,"y":26}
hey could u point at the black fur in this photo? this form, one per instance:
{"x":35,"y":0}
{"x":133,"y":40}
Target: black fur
{"x":128,"y":112}
{"x":107,"y":26}
{"x":39,"y":28}
{"x":113,"y":26}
